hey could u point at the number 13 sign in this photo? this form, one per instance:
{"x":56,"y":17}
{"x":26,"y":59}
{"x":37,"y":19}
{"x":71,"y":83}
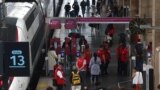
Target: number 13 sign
{"x":16,"y":58}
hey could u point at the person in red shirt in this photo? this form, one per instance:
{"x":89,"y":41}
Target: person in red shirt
{"x":110,"y":30}
{"x":107,"y":57}
{"x":81,"y":66}
{"x":87,"y":56}
{"x":59,"y":77}
{"x":101,"y":55}
{"x":124,"y":57}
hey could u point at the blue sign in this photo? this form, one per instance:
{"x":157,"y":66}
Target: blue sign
{"x":62,"y":53}
{"x":78,"y":53}
{"x":16,"y":58}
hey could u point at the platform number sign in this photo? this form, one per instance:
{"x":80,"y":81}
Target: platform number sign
{"x":17,"y":58}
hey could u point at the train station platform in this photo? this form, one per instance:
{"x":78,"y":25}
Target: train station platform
{"x":110,"y":81}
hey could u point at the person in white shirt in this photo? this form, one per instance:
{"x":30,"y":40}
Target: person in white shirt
{"x":52,"y":56}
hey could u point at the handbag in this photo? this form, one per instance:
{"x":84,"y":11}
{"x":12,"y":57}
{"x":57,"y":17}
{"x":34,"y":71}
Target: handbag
{"x":54,"y":82}
{"x":136,"y":86}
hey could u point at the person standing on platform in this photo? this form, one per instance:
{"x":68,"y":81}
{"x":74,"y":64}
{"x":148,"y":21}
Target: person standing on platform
{"x":59,"y":77}
{"x":83,"y":7}
{"x":67,"y":50}
{"x":75,"y":7}
{"x":110,"y":30}
{"x":101,"y":55}
{"x":124,"y":58}
{"x":93,"y":2}
{"x":118,"y":52}
{"x":87,"y":56}
{"x":75,"y":79}
{"x":52,"y":58}
{"x":81,"y":66}
{"x":88,"y":4}
{"x":82,"y":43}
{"x":98,"y":6}
{"x":107,"y":57}
{"x":67,"y":9}
{"x":139,"y":55}
{"x":94,"y":65}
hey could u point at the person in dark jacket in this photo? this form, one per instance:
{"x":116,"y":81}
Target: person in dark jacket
{"x":139,"y":55}
{"x":82,"y":43}
{"x":98,"y":6}
{"x":83,"y":7}
{"x":75,"y":7}
{"x":67,"y":9}
{"x":93,"y":2}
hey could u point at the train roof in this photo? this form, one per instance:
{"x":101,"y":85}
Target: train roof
{"x":19,"y":10}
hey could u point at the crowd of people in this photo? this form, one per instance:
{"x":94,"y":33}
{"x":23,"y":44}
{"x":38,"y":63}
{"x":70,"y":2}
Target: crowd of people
{"x":89,"y":64}
{"x":112,"y":9}
{"x":95,"y":64}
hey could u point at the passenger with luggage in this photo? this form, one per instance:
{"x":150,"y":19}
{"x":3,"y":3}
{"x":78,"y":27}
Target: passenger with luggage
{"x":75,"y":79}
{"x":95,"y":70}
{"x":81,"y":66}
{"x":59,"y":77}
{"x":72,"y":13}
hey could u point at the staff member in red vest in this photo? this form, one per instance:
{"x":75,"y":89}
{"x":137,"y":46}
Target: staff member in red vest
{"x":101,"y":55}
{"x":87,"y":56}
{"x":124,"y":59}
{"x":81,"y":66}
{"x":59,"y":77}
{"x":107,"y":57}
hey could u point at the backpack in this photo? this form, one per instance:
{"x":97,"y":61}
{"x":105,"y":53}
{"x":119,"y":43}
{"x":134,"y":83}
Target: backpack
{"x":95,"y":68}
{"x":76,"y":78}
